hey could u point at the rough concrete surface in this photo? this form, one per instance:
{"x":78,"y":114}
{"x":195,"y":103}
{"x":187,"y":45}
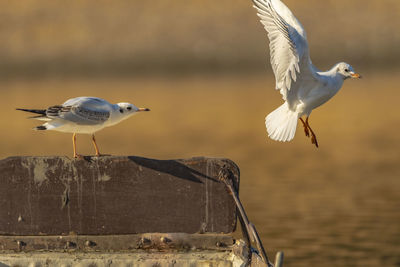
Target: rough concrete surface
{"x":114,"y":195}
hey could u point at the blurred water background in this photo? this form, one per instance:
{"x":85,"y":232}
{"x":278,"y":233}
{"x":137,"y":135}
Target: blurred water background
{"x":202,"y":67}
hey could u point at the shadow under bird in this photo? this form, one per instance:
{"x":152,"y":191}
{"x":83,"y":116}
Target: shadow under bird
{"x":83,"y":115}
{"x":301,"y":84}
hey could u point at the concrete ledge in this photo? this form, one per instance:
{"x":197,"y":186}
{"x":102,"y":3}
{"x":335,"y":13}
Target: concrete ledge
{"x":191,"y":258}
{"x":123,"y":243}
{"x":114,"y":196}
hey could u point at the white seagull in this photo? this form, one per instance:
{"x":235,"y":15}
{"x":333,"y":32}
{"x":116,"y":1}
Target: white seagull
{"x":85,"y":115}
{"x":301,"y":84}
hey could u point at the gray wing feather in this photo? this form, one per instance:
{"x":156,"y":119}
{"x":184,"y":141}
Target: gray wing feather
{"x":82,"y":110}
{"x":86,"y":116}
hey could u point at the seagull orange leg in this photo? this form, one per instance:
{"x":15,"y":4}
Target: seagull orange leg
{"x":74,"y":146}
{"x":95,"y":146}
{"x":305,"y":128}
{"x":313,"y":136}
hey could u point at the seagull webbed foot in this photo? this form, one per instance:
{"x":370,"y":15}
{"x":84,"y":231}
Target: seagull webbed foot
{"x":306,"y":131}
{"x":313,"y":136}
{"x":314,"y":140}
{"x":78,"y":156}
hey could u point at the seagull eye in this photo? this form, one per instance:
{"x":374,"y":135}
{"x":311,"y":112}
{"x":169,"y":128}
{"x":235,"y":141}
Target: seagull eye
{"x":121,"y":110}
{"x":346,"y":70}
{"x":129,"y":108}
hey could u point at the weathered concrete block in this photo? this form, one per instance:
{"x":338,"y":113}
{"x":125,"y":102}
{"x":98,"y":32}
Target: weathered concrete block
{"x":114,"y":195}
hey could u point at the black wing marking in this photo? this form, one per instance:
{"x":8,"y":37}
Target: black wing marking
{"x":56,"y":111}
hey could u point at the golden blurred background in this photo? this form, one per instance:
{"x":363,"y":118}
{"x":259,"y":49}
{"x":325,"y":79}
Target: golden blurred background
{"x":202,"y":67}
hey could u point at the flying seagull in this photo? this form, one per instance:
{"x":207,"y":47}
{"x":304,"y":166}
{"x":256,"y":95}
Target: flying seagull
{"x":83,"y":115}
{"x":301,"y":84}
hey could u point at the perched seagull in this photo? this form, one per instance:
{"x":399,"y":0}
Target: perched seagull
{"x":85,"y":115}
{"x":301,"y":84}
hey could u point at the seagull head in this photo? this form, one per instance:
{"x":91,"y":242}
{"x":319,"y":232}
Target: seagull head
{"x":346,"y":71}
{"x":127,"y":109}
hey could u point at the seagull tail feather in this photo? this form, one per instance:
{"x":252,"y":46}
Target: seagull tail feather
{"x":36,"y":111}
{"x":47,"y":126}
{"x":281,"y":124}
{"x":40,"y":128}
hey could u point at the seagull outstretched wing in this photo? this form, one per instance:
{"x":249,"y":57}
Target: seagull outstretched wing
{"x":288,"y":47}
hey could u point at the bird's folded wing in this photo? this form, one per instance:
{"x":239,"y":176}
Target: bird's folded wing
{"x":288,"y":44}
{"x":80,"y":113}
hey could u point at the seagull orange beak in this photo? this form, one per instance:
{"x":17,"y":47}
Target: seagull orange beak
{"x":143,"y":109}
{"x":356,"y":76}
